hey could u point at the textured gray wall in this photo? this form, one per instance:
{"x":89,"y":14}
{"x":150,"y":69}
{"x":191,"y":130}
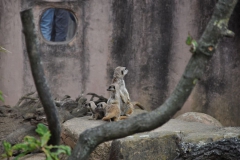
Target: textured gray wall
{"x":11,"y":64}
{"x":148,"y":37}
{"x":142,"y":37}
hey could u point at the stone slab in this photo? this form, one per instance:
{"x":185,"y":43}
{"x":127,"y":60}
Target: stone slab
{"x":160,"y":143}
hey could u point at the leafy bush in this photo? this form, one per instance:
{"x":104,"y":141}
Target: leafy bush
{"x":31,"y":144}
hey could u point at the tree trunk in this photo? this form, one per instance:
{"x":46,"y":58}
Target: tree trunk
{"x":39,"y":77}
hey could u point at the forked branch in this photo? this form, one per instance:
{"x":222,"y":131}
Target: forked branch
{"x":215,"y":30}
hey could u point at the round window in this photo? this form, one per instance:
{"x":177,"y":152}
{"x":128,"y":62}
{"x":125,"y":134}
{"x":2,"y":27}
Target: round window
{"x":58,"y":25}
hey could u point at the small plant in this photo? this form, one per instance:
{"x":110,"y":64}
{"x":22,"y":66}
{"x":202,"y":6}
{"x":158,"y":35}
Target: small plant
{"x":31,"y":144}
{"x":1,"y":96}
{"x":191,"y":42}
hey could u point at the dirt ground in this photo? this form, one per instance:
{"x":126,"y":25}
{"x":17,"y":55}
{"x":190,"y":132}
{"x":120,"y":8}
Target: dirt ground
{"x":7,"y":126}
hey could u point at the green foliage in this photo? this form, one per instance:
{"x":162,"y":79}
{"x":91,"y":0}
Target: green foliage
{"x":1,"y":96}
{"x":31,"y":144}
{"x":8,"y":150}
{"x":191,"y":42}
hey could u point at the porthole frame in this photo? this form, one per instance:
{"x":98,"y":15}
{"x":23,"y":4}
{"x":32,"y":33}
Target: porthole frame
{"x":57,"y":43}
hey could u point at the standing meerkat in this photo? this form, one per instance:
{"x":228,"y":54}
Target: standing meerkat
{"x":112,"y":108}
{"x":97,"y":113}
{"x":125,"y":104}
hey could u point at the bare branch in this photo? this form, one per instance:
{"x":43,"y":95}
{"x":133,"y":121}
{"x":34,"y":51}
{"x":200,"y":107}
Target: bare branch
{"x":90,"y":138}
{"x":39,"y":77}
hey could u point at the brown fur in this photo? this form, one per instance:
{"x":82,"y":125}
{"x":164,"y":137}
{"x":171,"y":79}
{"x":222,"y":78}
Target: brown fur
{"x":112,"y":108}
{"x":110,"y":112}
{"x":125,"y":103}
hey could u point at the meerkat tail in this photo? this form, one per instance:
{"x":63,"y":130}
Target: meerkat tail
{"x":108,"y":117}
{"x":138,"y":104}
{"x":123,"y":117}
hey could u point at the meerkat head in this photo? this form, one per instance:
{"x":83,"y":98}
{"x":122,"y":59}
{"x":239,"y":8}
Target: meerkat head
{"x":113,"y":87}
{"x":87,"y":105}
{"x":91,"y":105}
{"x":120,"y":72}
{"x":101,"y":105}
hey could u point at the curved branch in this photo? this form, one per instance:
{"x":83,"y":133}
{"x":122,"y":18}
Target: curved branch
{"x":39,"y":77}
{"x":90,"y":138}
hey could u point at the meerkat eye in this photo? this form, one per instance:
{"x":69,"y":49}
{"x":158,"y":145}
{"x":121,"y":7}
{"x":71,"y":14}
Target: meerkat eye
{"x":122,"y":72}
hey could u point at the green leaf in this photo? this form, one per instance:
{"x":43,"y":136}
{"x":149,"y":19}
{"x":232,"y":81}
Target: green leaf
{"x":45,"y":138}
{"x":21,"y":146}
{"x":8,"y":149}
{"x":20,"y":155}
{"x":47,"y":152}
{"x":189,"y":40}
{"x":66,"y":149}
{"x":1,"y":98}
{"x":34,"y":146}
{"x":30,"y":139}
{"x":41,"y":129}
{"x":7,"y":145}
{"x":54,"y":156}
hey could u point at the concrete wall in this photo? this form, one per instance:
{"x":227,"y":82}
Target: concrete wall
{"x":11,"y":64}
{"x":148,"y":37}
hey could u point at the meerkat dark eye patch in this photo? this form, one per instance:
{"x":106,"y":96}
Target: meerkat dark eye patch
{"x":109,"y":88}
{"x":122,"y":72}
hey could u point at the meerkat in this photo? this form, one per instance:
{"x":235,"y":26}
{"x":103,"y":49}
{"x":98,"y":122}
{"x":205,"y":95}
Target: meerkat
{"x":97,"y":113}
{"x":112,"y":108}
{"x":109,"y":110}
{"x":125,"y":104}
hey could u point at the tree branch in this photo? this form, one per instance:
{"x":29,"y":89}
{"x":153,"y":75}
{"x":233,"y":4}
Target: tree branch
{"x":39,"y":77}
{"x":207,"y":44}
